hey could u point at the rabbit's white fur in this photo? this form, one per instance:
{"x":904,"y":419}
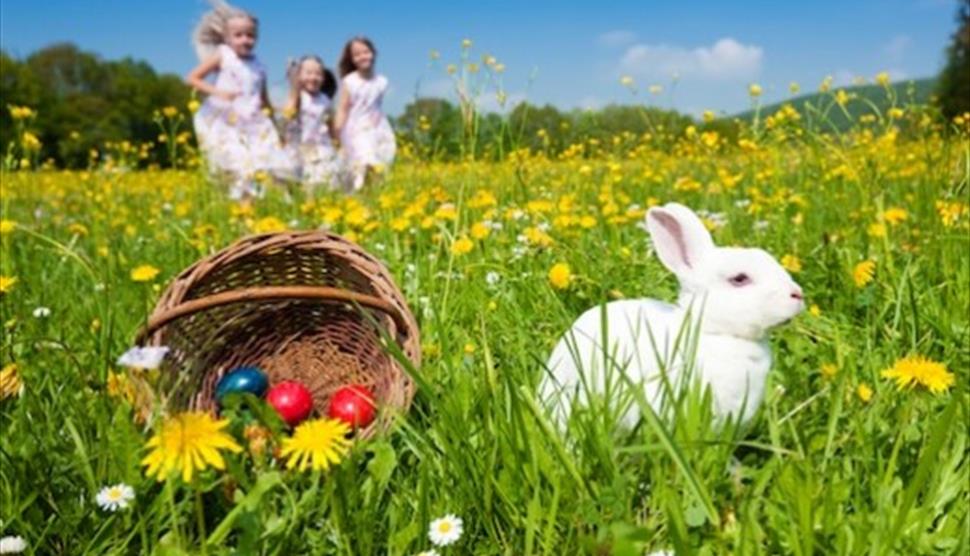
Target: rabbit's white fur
{"x":733,"y":295}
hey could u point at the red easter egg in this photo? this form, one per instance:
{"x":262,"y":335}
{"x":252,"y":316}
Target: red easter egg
{"x":353,"y":405}
{"x":291,"y":400}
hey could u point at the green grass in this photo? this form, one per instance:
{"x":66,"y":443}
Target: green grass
{"x":817,"y":471}
{"x":865,"y":99}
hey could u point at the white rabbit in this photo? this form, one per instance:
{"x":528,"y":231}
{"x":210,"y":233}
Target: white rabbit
{"x":733,"y":296}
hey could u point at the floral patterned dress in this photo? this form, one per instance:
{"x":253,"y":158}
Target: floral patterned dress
{"x":367,"y":138}
{"x":308,"y":141}
{"x":238,"y":137}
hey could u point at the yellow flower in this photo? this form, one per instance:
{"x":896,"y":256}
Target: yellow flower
{"x":268,"y":224}
{"x":480,"y":231}
{"x":6,"y":283}
{"x":144,"y":273}
{"x":469,"y":348}
{"x":193,"y":105}
{"x":188,"y":442}
{"x":882,"y":78}
{"x":754,"y":90}
{"x":316,"y":444}
{"x":791,"y":263}
{"x":560,"y":276}
{"x":841,"y":97}
{"x":877,"y":229}
{"x":815,"y":311}
{"x":864,"y":392}
{"x":170,"y":111}
{"x":466,"y":43}
{"x":894,"y":215}
{"x":462,"y":246}
{"x":7,"y":226}
{"x":829,"y":370}
{"x":626,"y":81}
{"x":708,"y":116}
{"x":863,"y":272}
{"x":917,"y":369}
{"x":10,"y":383}
{"x":794,"y":87}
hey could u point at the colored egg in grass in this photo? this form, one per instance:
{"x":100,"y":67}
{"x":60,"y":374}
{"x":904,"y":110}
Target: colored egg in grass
{"x":251,"y":380}
{"x":291,"y":400}
{"x":354,"y":405}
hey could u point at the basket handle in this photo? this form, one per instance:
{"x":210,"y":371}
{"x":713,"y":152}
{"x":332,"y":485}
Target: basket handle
{"x":270,"y":293}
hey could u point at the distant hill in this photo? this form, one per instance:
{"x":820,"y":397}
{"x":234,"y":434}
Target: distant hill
{"x":914,"y":91}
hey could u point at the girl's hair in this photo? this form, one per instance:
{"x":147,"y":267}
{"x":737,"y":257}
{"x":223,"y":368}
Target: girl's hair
{"x":211,"y":30}
{"x":329,"y":85}
{"x":347,"y":61}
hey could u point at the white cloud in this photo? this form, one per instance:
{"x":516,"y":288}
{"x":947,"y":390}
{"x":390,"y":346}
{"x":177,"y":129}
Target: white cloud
{"x":896,"y":46}
{"x":617,"y":38}
{"x":726,"y":59}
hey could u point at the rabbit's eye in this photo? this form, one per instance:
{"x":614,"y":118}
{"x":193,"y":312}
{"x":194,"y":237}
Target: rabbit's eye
{"x":740,"y":279}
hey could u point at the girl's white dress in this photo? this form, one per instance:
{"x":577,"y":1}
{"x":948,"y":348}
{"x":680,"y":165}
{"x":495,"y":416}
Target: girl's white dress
{"x":367,"y":138}
{"x":236,"y":136}
{"x":308,"y":141}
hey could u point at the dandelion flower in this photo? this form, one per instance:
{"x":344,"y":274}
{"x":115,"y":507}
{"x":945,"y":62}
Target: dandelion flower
{"x":917,"y":369}
{"x":143,"y":357}
{"x":863,"y":272}
{"x":882,"y":78}
{"x":7,"y":226}
{"x":829,"y":370}
{"x":791,"y":263}
{"x":560,"y":276}
{"x":6,"y":283}
{"x":754,"y":90}
{"x":316,"y":444}
{"x":10,"y":383}
{"x":462,"y":246}
{"x":446,"y":530}
{"x":188,"y":442}
{"x":144,"y":273}
{"x":12,"y":545}
{"x":894,"y":215}
{"x":864,"y":392}
{"x":114,"y":498}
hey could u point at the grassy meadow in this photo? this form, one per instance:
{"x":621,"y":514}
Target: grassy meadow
{"x":497,"y":258}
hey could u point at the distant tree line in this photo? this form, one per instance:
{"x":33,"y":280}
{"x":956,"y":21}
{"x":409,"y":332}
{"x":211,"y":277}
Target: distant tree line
{"x":82,"y":101}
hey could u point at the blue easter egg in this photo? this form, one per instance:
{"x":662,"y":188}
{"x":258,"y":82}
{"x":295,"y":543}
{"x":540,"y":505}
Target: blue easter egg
{"x":242,"y":379}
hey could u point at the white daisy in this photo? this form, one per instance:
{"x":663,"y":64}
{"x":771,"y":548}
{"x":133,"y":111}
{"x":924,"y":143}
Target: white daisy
{"x":12,"y":545}
{"x":114,"y":498}
{"x":445,"y":530}
{"x":143,"y":357}
{"x":493,"y":278}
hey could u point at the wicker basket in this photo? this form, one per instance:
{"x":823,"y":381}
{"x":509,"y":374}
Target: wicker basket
{"x":301,"y":306}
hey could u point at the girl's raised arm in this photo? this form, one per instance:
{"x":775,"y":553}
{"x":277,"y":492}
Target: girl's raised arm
{"x":196,"y":78}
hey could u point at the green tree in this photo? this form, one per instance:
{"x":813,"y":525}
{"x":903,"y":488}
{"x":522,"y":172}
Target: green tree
{"x":954,"y":85}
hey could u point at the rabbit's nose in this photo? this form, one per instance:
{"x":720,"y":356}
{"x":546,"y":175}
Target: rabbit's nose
{"x":797,"y":294}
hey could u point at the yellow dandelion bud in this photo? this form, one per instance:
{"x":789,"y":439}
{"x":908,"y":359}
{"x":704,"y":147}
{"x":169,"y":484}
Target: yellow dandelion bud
{"x":864,"y":392}
{"x":863,"y":272}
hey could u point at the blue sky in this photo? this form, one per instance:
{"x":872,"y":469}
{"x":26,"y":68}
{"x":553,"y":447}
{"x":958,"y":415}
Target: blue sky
{"x":570,"y":54}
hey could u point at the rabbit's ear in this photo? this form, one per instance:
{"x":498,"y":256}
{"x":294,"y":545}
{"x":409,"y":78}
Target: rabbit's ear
{"x":679,"y":236}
